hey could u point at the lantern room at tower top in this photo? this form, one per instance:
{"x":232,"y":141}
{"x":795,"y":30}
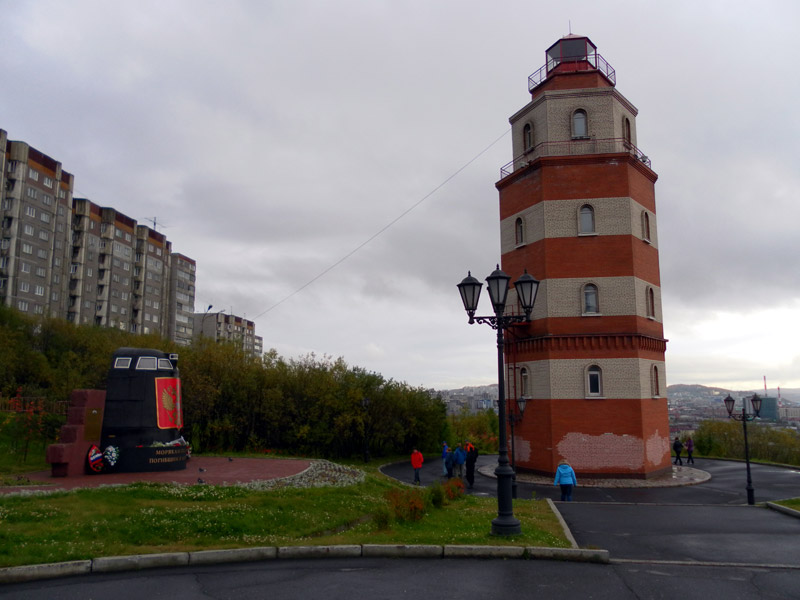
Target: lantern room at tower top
{"x":570,"y":54}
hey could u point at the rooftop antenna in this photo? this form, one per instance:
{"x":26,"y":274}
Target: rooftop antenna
{"x":569,"y":22}
{"x":154,"y":221}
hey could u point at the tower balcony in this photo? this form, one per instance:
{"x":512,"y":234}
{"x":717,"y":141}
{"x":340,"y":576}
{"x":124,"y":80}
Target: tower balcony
{"x":592,"y":62}
{"x":574,"y":148}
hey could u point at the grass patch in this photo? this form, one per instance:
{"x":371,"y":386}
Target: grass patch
{"x":147,"y":518}
{"x":793,"y":503}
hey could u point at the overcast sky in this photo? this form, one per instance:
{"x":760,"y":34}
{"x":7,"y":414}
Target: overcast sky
{"x":331,"y":165}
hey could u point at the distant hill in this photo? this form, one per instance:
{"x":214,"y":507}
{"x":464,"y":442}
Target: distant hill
{"x":703,"y":391}
{"x":673,"y":391}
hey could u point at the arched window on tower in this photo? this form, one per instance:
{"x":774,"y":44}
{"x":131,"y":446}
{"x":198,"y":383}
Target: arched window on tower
{"x":651,"y":303}
{"x":655,"y":385}
{"x":626,"y":131}
{"x":527,"y":137}
{"x":645,"y":226}
{"x":519,"y":231}
{"x":591,"y":303}
{"x":580,"y":125}
{"x":586,"y":219}
{"x":594,"y":381}
{"x":524,"y":384}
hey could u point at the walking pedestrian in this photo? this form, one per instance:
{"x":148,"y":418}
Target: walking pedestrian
{"x":565,"y":477}
{"x":689,"y":451}
{"x":461,"y":458}
{"x":472,"y":458}
{"x":444,"y":459}
{"x":677,"y":446}
{"x":449,"y":463}
{"x":416,"y":462}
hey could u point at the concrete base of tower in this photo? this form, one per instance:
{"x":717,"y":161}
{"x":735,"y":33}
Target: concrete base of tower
{"x":608,"y":438}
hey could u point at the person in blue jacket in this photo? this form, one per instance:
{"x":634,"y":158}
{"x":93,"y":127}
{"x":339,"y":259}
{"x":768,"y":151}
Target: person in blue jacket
{"x":460,"y":456}
{"x":565,"y":477}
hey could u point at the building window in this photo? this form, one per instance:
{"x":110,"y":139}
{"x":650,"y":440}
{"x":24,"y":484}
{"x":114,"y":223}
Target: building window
{"x":30,"y":211}
{"x":527,"y":137}
{"x":524,"y":388}
{"x":39,"y":291}
{"x":25,"y":267}
{"x":48,"y":182}
{"x":654,"y":382}
{"x":586,"y":220}
{"x":28,"y":229}
{"x":24,"y":286}
{"x":580,"y":128}
{"x":519,"y":231}
{"x":594,"y":381}
{"x":31,"y":193}
{"x":22,"y":305}
{"x":33,"y":174}
{"x":651,"y":303}
{"x":591,"y":305}
{"x":645,"y":226}
{"x":27,"y":249}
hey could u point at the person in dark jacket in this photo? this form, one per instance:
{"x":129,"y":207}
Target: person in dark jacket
{"x":677,"y":446}
{"x":472,"y":458}
{"x":444,"y":458}
{"x":689,"y":451}
{"x":449,"y":463}
{"x":565,"y":477}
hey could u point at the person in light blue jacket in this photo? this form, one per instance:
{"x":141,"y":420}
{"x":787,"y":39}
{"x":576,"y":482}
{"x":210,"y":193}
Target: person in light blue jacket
{"x":565,"y":477}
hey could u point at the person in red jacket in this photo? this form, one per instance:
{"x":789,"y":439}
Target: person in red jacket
{"x":416,"y":461}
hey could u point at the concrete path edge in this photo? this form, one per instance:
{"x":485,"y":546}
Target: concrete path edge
{"x":110,"y":564}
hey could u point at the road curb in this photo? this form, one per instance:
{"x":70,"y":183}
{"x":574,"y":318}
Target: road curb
{"x":564,"y":526}
{"x":112,"y":564}
{"x":212,"y":557}
{"x":135,"y":562}
{"x":48,"y":571}
{"x":784,"y":509}
{"x":401,"y":551}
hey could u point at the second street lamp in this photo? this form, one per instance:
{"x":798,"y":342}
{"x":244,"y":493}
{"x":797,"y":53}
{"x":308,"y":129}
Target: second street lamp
{"x":514,"y":417}
{"x":744,"y":418}
{"x":526,"y":288}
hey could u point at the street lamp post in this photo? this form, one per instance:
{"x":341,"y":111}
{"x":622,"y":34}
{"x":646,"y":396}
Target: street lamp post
{"x":470,"y":288}
{"x":203,"y":321}
{"x":365,"y":406}
{"x":744,"y":418}
{"x":514,"y":417}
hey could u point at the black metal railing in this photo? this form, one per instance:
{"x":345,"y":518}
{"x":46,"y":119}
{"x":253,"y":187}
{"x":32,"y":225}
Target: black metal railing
{"x":593,"y":62}
{"x":574,"y":148}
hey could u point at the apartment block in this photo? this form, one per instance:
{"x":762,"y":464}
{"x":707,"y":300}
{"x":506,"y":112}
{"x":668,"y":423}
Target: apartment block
{"x":72,"y":258}
{"x":181,"y":298}
{"x":222,"y":327}
{"x":36,"y":219}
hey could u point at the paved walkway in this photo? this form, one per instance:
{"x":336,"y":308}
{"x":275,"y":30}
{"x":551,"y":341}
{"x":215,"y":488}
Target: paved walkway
{"x":210,"y":470}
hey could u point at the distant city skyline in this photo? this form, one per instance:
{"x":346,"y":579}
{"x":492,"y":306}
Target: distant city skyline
{"x":331,"y":168}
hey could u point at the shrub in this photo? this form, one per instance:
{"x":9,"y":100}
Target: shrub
{"x":382,"y":517}
{"x":406,"y":505}
{"x":436,"y":495}
{"x":453,"y":488}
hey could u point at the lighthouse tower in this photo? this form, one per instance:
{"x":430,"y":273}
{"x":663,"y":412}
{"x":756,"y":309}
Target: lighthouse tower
{"x":578,"y":212}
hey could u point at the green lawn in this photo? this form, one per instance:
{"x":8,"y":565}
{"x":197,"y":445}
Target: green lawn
{"x":148,"y":518}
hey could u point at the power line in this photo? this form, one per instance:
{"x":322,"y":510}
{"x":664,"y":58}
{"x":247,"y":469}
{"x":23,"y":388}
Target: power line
{"x":384,"y":228}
